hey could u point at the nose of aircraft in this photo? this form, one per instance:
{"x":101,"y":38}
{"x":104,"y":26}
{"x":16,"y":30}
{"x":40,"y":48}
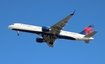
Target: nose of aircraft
{"x":10,"y":26}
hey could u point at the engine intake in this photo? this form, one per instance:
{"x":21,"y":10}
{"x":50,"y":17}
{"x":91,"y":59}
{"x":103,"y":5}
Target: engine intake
{"x":45,"y":29}
{"x":39,"y":40}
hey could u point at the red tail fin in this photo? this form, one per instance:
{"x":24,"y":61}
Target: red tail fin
{"x":87,"y":30}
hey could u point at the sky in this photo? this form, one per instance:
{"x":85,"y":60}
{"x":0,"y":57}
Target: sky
{"x":24,"y":49}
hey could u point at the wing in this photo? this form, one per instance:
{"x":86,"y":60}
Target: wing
{"x":55,"y":29}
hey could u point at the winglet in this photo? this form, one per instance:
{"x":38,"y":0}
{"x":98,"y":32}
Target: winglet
{"x":73,"y":12}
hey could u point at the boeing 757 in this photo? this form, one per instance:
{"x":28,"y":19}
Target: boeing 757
{"x":50,"y":34}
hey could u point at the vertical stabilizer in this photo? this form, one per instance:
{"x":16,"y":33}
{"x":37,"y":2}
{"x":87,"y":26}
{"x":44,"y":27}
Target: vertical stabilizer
{"x":87,"y":30}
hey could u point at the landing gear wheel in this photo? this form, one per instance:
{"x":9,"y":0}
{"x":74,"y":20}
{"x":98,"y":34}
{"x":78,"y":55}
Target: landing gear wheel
{"x":18,"y":33}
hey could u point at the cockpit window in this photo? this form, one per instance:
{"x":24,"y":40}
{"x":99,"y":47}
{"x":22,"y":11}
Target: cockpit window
{"x":16,"y":24}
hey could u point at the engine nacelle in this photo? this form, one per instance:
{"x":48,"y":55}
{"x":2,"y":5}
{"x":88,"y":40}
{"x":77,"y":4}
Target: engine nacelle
{"x":39,"y":40}
{"x":45,"y":29}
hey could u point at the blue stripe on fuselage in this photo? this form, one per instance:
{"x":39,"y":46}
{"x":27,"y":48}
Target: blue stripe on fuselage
{"x":45,"y":33}
{"x":66,"y":37}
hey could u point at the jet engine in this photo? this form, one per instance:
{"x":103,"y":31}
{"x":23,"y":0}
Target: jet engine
{"x":39,"y":40}
{"x":45,"y":29}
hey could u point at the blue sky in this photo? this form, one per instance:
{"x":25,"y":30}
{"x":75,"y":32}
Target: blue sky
{"x":25,"y":50}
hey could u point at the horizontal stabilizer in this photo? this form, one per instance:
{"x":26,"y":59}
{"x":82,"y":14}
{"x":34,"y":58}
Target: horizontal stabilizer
{"x":86,"y":41}
{"x":91,"y":34}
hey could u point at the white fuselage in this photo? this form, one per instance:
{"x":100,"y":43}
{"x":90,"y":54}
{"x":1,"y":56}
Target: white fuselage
{"x":38,"y":29}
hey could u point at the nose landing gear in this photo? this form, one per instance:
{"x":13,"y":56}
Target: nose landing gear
{"x":18,"y":33}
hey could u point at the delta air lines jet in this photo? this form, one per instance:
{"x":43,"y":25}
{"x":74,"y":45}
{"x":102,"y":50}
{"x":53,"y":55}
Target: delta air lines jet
{"x":50,"y":34}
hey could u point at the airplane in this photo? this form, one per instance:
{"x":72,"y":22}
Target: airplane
{"x":50,"y":34}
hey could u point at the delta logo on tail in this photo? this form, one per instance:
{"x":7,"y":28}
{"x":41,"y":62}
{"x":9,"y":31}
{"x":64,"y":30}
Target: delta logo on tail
{"x":87,"y":30}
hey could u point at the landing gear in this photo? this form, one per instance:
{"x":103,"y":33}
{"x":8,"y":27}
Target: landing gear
{"x":18,"y":33}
